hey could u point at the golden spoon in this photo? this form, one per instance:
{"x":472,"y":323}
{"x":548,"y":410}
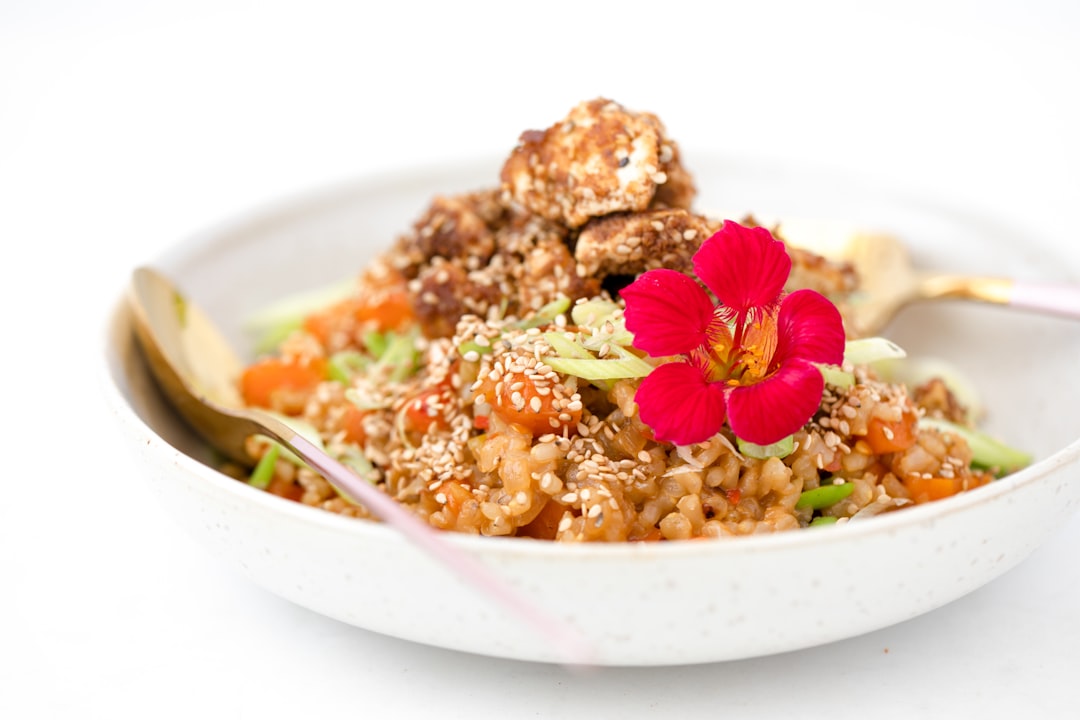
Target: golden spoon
{"x":196,"y":369}
{"x":888,"y":281}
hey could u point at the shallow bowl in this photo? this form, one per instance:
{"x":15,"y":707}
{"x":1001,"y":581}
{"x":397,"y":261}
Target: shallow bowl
{"x":635,"y":604}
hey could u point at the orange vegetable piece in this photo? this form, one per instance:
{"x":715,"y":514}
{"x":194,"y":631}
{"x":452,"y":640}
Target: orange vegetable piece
{"x":936,"y":488}
{"x":286,"y":489}
{"x":382,"y":311}
{"x":453,"y":495}
{"x":933,"y":488}
{"x":891,"y":436}
{"x":519,"y":402}
{"x":281,"y":383}
{"x":425,"y":410}
{"x":352,"y":423}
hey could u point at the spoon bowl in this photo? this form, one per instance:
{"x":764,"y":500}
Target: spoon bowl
{"x":888,"y":281}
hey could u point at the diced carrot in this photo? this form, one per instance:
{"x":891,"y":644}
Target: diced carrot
{"x":935,"y":488}
{"x":891,"y":436}
{"x":453,"y":495}
{"x":925,"y":489}
{"x":426,"y":409}
{"x":281,"y":383}
{"x":286,"y":489}
{"x":352,"y":423}
{"x":519,"y":401}
{"x":390,"y":312}
{"x":386,"y":311}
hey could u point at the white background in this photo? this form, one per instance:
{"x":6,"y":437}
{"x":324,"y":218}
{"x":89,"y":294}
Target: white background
{"x":125,"y":126}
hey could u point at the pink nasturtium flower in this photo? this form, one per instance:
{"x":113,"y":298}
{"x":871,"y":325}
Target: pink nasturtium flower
{"x":750,"y":358}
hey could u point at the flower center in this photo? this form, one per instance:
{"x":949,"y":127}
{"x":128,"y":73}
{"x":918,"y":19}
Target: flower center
{"x":740,"y":355}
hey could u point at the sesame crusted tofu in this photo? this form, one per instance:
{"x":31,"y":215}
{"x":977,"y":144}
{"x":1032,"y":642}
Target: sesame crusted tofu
{"x":452,"y":228}
{"x":600,"y":159}
{"x":628,"y":244}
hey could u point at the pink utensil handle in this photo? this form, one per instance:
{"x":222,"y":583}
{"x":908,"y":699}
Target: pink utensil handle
{"x":569,"y":643}
{"x":1063,"y":300}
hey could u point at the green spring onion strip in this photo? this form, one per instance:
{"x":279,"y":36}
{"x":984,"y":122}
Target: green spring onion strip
{"x":860,"y":352}
{"x":341,"y":366}
{"x":988,"y":452}
{"x":836,"y":377}
{"x":400,"y":356}
{"x":823,"y":520}
{"x":264,"y":469}
{"x":376,"y":342}
{"x":870,"y":350}
{"x":596,"y":369}
{"x":545,"y":315}
{"x":780,"y":449}
{"x":824,"y":496}
{"x":593,"y":313}
{"x":564,"y":347}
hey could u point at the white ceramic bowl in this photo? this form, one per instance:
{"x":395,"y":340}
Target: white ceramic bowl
{"x":636,"y":604}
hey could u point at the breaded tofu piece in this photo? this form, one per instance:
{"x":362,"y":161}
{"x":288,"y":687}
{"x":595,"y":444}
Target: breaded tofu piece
{"x":631,"y":243}
{"x":600,"y":159}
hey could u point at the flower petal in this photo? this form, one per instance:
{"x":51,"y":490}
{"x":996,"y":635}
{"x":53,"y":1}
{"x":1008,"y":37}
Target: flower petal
{"x":810,"y":328}
{"x":778,"y":406}
{"x":667,"y":312}
{"x":679,"y":405}
{"x":744,"y":267}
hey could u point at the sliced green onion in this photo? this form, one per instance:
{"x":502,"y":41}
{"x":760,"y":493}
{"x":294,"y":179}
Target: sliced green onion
{"x":824,"y":496}
{"x":342,"y":365}
{"x":619,"y":337}
{"x":780,"y":449}
{"x":870,"y":350}
{"x":375,"y":342}
{"x":596,"y":369}
{"x":564,"y":347}
{"x":836,"y":377}
{"x":592,"y":313}
{"x":400,"y":356}
{"x":545,"y":315}
{"x":823,"y":520}
{"x":264,"y":469}
{"x":986,"y":452}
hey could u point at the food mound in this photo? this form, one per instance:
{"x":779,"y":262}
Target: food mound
{"x":490,"y":370}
